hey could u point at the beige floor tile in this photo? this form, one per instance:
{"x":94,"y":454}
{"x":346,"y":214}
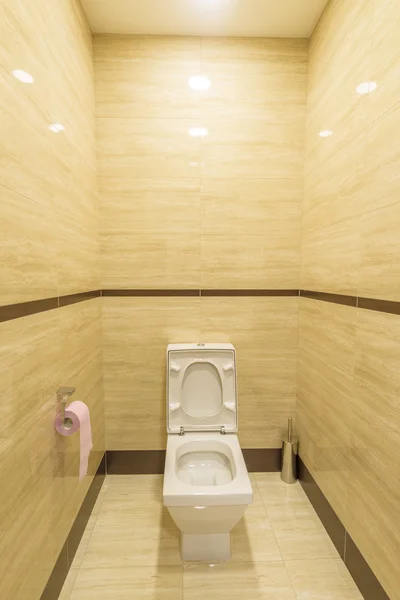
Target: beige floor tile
{"x":298,"y":531}
{"x":303,"y":545}
{"x":86,"y":537}
{"x":80,"y":553}
{"x":296,"y":516}
{"x":230,"y":581}
{"x":252,"y":539}
{"x":323,"y":579}
{"x":157,"y":582}
{"x":131,"y":544}
{"x":275,"y":492}
{"x":134,"y":516}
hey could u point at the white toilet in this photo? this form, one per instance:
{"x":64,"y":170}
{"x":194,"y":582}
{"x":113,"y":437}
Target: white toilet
{"x":206,"y":484}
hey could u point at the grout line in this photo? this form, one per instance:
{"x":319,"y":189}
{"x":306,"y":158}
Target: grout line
{"x":362,"y":132}
{"x":269,"y":521}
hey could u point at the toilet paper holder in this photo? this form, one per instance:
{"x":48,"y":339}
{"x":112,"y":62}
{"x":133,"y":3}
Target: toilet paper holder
{"x":63,"y":395}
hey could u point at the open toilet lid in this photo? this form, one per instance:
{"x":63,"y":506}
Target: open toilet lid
{"x":201,"y":387}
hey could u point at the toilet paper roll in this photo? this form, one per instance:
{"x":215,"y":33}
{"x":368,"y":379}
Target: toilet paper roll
{"x":77,"y":418}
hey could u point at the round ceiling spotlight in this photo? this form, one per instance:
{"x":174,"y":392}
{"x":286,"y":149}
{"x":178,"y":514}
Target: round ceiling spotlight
{"x":199,"y":83}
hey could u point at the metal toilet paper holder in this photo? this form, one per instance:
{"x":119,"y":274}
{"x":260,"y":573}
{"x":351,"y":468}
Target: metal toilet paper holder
{"x":63,"y":395}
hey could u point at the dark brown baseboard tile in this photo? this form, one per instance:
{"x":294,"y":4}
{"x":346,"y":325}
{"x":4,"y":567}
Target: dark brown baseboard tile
{"x":358,"y":567}
{"x":134,"y":462}
{"x":262,"y":460}
{"x":326,"y":297}
{"x":330,"y":520}
{"x":66,"y":556}
{"x":58,"y":576}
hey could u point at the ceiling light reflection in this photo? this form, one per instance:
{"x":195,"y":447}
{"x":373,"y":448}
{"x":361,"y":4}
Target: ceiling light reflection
{"x":366,"y":87}
{"x":198,"y":131}
{"x":199,"y":83}
{"x":56,"y":127}
{"x":22,"y":76}
{"x":325,"y":133}
{"x":215,"y":4}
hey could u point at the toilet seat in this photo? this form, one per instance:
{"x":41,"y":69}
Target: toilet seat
{"x":179,"y":493}
{"x":201,"y":388}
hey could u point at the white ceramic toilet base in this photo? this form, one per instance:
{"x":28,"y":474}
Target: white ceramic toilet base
{"x":206,"y":546}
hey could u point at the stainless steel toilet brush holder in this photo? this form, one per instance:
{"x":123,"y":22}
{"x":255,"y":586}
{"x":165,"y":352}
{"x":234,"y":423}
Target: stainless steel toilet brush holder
{"x":289,"y":456}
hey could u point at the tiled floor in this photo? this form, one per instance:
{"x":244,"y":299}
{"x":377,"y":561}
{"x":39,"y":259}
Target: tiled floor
{"x":280,"y":550}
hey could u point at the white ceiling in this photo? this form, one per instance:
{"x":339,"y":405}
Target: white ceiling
{"x":253,"y":18}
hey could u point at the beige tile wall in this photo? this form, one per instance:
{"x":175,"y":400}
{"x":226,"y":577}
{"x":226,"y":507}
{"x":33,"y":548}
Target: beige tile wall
{"x":136,"y":334}
{"x":351,"y":207}
{"x":222,"y":211}
{"x":349,"y":359}
{"x":49,"y":246}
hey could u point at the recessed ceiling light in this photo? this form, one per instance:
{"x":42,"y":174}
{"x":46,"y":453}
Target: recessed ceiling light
{"x":22,"y":76}
{"x":198,"y":131}
{"x":199,"y":83}
{"x":56,"y":127}
{"x":366,"y":87}
{"x":325,"y":133}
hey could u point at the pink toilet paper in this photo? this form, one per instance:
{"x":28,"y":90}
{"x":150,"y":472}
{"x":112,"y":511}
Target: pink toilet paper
{"x":78,"y":412}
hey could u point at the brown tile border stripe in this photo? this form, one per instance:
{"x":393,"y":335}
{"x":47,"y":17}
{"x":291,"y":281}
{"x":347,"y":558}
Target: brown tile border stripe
{"x":66,"y":556}
{"x":81,"y":297}
{"x":260,"y":292}
{"x":24,"y":309}
{"x":385,"y":306}
{"x":358,"y":567}
{"x":326,"y":297}
{"x":155,"y":292}
{"x":134,"y":462}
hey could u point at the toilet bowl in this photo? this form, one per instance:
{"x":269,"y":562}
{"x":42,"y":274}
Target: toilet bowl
{"x":206,"y":483}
